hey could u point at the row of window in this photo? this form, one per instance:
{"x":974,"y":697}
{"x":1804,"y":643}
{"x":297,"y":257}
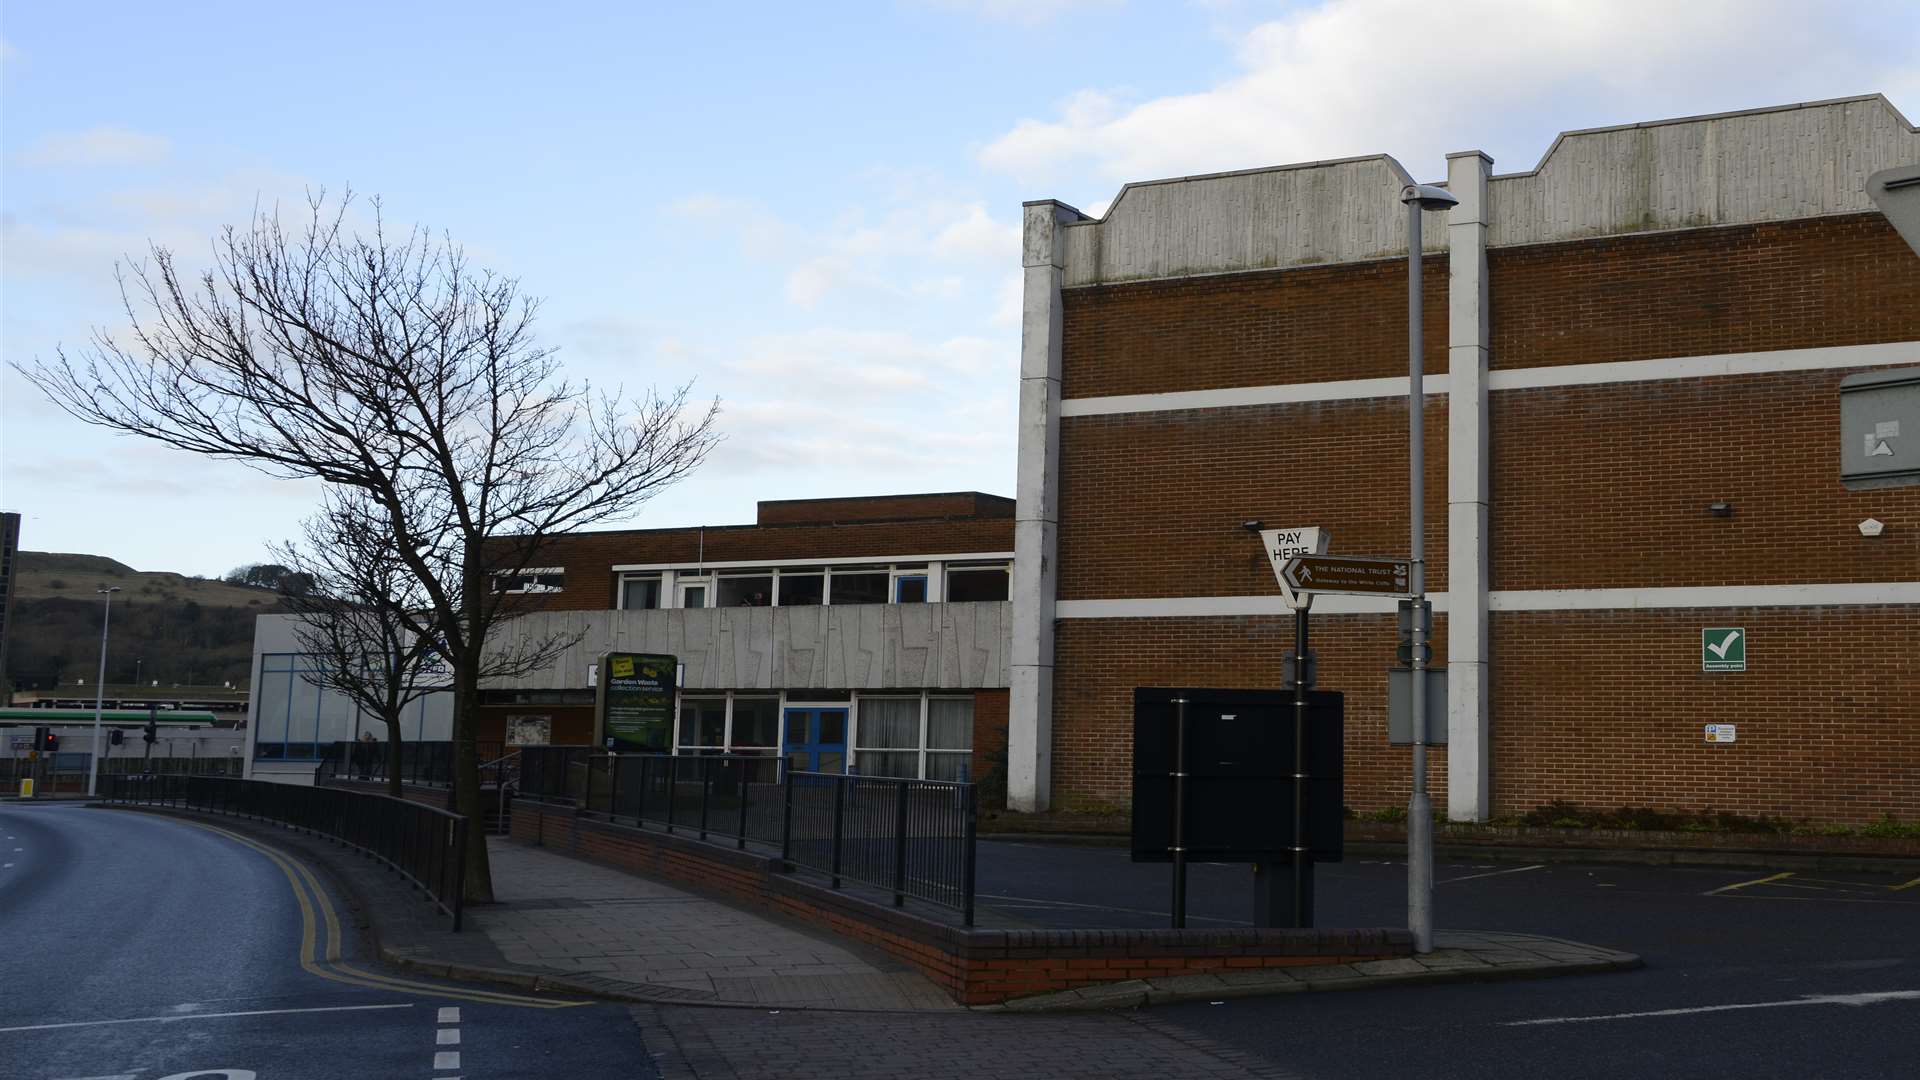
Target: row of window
{"x":919,"y":736}
{"x":905,"y":583}
{"x":295,"y":719}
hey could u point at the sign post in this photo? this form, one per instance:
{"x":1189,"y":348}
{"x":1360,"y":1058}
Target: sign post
{"x":1284,"y":546}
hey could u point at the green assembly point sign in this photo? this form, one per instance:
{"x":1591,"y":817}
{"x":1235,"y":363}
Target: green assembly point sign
{"x":635,"y":697}
{"x":1723,"y":648}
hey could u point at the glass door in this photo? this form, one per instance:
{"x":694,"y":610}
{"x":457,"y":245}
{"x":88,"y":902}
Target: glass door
{"x":816,"y":740}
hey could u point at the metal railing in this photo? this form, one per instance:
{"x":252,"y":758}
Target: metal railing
{"x":912,"y":838}
{"x":909,"y":837}
{"x":426,"y":763}
{"x":427,"y":846}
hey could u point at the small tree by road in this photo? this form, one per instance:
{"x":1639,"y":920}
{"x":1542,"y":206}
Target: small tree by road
{"x":390,"y":366}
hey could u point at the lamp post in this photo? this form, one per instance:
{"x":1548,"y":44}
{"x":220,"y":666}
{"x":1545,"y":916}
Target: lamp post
{"x":1418,"y":197}
{"x":99,"y":690}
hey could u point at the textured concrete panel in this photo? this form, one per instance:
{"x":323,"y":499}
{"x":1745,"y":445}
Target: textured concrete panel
{"x":859,"y":647}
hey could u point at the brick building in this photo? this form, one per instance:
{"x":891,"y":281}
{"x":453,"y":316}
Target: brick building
{"x":870,"y":632}
{"x":1635,"y":354}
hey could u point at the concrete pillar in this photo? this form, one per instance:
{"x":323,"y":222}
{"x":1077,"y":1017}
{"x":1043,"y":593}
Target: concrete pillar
{"x":1469,"y":795}
{"x":1036,"y":515}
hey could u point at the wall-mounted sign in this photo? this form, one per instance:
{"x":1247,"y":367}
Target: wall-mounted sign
{"x":1880,"y":429}
{"x":1723,"y":648}
{"x":635,"y":702}
{"x":1720,"y":733}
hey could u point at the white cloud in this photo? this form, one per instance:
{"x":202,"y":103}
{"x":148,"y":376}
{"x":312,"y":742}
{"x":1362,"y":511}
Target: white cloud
{"x":1352,"y":77}
{"x":96,"y":146}
{"x":976,"y":235}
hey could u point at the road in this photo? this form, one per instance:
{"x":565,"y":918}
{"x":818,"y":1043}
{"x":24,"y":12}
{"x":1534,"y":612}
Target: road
{"x":1748,"y":973}
{"x":141,"y":947}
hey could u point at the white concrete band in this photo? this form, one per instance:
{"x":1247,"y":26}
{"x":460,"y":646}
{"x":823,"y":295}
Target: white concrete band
{"x":1469,"y":487}
{"x":1668,"y":598}
{"x":1836,"y":357}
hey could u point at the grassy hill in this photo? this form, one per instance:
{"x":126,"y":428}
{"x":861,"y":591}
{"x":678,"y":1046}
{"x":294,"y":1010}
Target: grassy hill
{"x":180,"y":629}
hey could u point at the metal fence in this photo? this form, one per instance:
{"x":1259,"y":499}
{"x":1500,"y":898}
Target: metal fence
{"x":427,"y":846}
{"x":426,"y":763}
{"x":912,"y":838}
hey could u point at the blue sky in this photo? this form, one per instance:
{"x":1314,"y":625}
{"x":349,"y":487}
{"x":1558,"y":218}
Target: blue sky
{"x":811,"y":210}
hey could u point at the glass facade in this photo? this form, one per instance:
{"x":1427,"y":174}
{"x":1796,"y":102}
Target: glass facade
{"x":295,"y":718}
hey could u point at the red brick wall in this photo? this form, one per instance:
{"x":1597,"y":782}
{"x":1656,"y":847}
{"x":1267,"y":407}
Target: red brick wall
{"x":1607,"y":486}
{"x":1605,"y":708}
{"x":938,"y":507}
{"x":1098,"y":662}
{"x":989,"y":735}
{"x":1151,"y":503}
{"x":1825,"y":281}
{"x":1309,"y":325}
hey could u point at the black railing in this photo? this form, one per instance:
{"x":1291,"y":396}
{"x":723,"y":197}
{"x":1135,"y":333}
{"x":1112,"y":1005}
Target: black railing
{"x":912,"y":838}
{"x":426,"y":763}
{"x":427,"y":846}
{"x":909,"y":837}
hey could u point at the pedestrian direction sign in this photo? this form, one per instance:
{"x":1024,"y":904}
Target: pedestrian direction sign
{"x":1360,"y":574}
{"x":1723,"y":648}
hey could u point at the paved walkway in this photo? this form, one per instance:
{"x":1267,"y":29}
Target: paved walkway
{"x":563,"y":915}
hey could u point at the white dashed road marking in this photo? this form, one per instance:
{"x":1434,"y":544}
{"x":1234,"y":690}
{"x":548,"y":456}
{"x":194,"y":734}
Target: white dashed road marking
{"x":446,"y":1059}
{"x":1854,"y":1000}
{"x":447,"y":1037}
{"x":450,"y":1014}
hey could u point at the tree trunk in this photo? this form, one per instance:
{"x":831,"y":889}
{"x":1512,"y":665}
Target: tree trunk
{"x":466,"y":774}
{"x":393,"y":757}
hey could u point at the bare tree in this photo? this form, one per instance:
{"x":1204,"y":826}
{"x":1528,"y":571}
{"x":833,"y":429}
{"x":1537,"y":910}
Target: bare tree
{"x":364,"y":618}
{"x":392,"y":367}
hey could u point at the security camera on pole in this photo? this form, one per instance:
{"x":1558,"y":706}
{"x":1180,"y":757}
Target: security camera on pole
{"x":1418,"y":197}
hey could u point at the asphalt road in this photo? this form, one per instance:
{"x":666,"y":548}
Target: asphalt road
{"x":140,"y":947}
{"x":1749,"y":974}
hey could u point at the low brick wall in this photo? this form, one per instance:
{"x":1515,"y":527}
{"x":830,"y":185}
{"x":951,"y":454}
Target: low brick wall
{"x":978,"y":967}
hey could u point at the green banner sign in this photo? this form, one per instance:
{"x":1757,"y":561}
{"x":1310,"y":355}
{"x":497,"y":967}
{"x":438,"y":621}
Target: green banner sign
{"x":635,"y":698}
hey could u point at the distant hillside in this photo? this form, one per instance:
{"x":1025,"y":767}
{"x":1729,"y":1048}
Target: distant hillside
{"x":180,"y":629}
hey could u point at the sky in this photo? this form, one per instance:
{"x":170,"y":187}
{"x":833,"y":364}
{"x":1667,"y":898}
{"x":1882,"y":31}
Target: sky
{"x":810,"y":211}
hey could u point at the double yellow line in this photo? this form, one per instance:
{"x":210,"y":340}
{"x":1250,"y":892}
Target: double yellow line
{"x":303,"y":883}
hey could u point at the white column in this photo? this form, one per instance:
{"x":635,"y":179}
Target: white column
{"x":1036,"y":515}
{"x":1469,"y":796}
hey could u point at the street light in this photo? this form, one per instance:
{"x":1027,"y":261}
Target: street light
{"x":1419,"y":197}
{"x":99,"y":689}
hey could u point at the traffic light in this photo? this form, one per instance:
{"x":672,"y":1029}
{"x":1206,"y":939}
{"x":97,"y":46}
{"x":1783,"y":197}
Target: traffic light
{"x":49,"y":742}
{"x":1404,"y":653}
{"x":115,"y":737}
{"x":151,"y":732}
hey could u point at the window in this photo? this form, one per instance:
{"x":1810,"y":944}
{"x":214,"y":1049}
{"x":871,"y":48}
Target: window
{"x":297,"y":718}
{"x":756,"y":725}
{"x":639,"y":593}
{"x":858,"y":587}
{"x":910,"y":589}
{"x":889,"y":743}
{"x":750,"y":591}
{"x":949,"y":738}
{"x":693,"y":592}
{"x":703,"y":723}
{"x":966,"y":584}
{"x":548,"y":579}
{"x":799,"y":588}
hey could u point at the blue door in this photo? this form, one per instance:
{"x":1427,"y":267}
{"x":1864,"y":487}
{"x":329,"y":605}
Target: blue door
{"x":816,"y":740}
